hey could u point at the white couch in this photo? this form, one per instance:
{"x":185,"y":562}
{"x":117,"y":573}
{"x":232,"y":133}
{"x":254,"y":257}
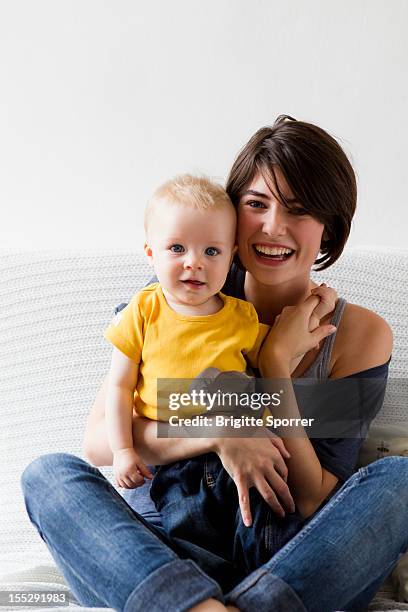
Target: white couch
{"x":54,"y":306}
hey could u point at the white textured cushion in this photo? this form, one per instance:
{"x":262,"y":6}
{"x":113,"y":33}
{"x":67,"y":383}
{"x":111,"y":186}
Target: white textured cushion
{"x":54,"y":307}
{"x":42,"y":578}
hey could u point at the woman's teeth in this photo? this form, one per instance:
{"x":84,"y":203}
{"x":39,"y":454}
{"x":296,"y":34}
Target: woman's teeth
{"x":278,"y":252}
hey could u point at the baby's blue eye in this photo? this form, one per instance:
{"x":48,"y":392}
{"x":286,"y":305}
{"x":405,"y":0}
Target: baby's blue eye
{"x":211,"y":251}
{"x":176,"y":248}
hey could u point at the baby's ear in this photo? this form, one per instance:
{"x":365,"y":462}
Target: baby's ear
{"x":149,"y":253}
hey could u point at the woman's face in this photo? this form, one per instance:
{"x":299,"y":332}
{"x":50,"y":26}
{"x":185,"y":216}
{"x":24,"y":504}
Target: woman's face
{"x":276,"y":244}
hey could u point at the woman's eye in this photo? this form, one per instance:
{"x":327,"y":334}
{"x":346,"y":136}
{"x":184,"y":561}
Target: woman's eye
{"x":176,"y":248}
{"x":255,"y":204}
{"x":211,"y":251}
{"x":297,"y":210}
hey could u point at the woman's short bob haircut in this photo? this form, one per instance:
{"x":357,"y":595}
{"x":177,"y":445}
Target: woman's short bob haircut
{"x":316,"y":169}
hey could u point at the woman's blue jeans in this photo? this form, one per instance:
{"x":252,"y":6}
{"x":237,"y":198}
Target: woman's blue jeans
{"x":111,"y":556}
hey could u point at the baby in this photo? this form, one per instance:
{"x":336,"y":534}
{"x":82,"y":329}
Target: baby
{"x":182,"y":325}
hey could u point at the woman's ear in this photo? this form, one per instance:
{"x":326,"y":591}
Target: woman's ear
{"x":149,"y":253}
{"x":325,"y":239}
{"x":325,"y":235}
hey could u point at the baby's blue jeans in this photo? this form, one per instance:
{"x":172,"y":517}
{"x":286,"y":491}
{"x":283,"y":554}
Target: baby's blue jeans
{"x":199,"y":510}
{"x":113,"y":557}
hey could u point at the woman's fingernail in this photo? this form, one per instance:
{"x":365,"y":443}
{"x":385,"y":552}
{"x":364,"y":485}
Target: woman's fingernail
{"x":332,"y":329}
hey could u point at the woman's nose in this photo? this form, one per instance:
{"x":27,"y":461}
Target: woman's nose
{"x":274,"y":223}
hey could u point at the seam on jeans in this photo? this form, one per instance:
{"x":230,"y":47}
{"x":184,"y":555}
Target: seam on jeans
{"x":268,"y":533}
{"x":209,"y":478}
{"x":296,"y":540}
{"x":120,"y":500}
{"x":235,"y":596}
{"x":164,"y":569}
{"x":249,"y":581}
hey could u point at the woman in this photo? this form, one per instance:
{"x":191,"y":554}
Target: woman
{"x":295,"y":194}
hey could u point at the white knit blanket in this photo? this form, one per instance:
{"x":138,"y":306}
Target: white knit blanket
{"x":54,"y":307}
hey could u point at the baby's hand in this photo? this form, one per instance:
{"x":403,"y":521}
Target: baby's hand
{"x":328,"y":299}
{"x":129,"y":468}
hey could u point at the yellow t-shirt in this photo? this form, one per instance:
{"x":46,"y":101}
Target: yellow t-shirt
{"x":170,"y":345}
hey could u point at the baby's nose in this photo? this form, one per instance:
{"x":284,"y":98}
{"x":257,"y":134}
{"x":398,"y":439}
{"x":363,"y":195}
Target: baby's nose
{"x":193,"y":262}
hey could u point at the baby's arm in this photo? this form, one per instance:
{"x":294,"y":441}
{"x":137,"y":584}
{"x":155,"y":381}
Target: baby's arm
{"x":128,"y":466}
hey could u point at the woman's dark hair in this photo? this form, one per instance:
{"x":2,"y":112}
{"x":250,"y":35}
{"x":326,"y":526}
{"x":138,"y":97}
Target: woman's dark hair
{"x":316,"y":169}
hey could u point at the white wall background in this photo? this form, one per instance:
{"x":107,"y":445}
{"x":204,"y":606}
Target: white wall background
{"x":101,"y":100}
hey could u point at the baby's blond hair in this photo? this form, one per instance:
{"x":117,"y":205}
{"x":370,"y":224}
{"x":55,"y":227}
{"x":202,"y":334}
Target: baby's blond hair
{"x":198,"y":192}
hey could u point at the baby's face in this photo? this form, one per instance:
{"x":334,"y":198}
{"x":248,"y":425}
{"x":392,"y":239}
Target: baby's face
{"x":191,"y":250}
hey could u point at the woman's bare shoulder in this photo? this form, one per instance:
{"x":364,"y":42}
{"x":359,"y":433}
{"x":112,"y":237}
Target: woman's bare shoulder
{"x":363,"y":341}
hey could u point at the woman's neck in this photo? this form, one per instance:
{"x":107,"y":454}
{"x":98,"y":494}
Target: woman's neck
{"x":269,"y":300}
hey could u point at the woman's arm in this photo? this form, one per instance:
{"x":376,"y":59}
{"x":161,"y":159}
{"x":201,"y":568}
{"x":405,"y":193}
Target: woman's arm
{"x":310,"y":483}
{"x":250,"y":462}
{"x":289,"y":337}
{"x":160,"y":451}
{"x":153,"y":450}
{"x":95,"y":445}
{"x":363,"y":341}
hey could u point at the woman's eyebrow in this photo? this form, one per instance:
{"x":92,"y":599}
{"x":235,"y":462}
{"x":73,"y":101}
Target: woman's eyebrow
{"x":259,"y":194}
{"x":255,"y":193}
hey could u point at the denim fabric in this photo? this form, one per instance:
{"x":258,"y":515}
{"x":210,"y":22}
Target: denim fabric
{"x":198,"y":504}
{"x":341,"y":557}
{"x":111,"y":556}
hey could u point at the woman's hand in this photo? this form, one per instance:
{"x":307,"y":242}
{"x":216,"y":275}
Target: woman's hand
{"x":257,"y":462}
{"x":290,"y":336}
{"x":328,"y":298}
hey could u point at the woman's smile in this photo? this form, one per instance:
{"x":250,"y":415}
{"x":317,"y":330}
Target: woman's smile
{"x":273,"y":236}
{"x":272,"y":254}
